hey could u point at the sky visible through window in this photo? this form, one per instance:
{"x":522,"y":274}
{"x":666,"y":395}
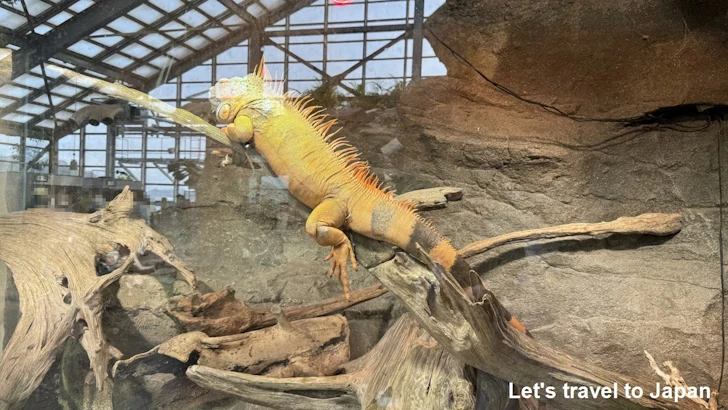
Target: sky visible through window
{"x":150,"y":41}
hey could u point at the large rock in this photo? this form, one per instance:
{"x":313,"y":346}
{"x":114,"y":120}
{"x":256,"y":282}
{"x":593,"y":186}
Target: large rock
{"x":604,"y":301}
{"x":590,"y":57}
{"x":135,"y":320}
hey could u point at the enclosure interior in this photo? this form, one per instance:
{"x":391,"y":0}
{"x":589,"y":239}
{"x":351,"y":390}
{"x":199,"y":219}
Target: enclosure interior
{"x":529,"y":114}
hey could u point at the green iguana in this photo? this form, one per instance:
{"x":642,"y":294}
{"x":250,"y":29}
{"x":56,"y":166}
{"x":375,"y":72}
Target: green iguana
{"x":323,"y":172}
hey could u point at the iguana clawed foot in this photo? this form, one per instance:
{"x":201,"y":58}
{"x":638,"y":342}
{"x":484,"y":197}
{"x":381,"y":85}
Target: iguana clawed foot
{"x":341,"y":254}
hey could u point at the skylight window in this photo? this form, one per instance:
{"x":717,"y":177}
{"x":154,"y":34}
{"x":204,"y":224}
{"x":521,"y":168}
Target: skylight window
{"x":197,"y":42}
{"x":232,"y":20}
{"x":29,"y":81}
{"x":256,"y":10}
{"x":59,"y":18}
{"x":179,"y":52}
{"x":272,"y":4}
{"x":86,"y":49}
{"x":4,"y":102}
{"x":106,"y":37}
{"x":33,"y":109}
{"x":162,"y":61}
{"x":63,"y":115}
{"x":216,"y":33}
{"x":66,"y":90}
{"x":21,"y":118}
{"x":50,"y":73}
{"x":61,"y":63}
{"x":11,"y":20}
{"x":146,"y":14}
{"x":81,"y":5}
{"x":154,"y":40}
{"x":193,"y":18}
{"x":173,"y":29}
{"x":43,"y":29}
{"x":213,"y":8}
{"x":137,"y":50}
{"x":13,"y":91}
{"x":35,"y":7}
{"x":124,"y":25}
{"x":118,"y":60}
{"x":146,"y":71}
{"x":46,"y":124}
{"x":168,"y":5}
{"x":43,"y":99}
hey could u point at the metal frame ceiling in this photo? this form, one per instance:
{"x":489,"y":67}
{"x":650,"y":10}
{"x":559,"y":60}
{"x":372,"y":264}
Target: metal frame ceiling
{"x":141,"y":43}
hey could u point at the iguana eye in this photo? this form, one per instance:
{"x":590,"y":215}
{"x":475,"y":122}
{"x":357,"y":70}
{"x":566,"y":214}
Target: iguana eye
{"x":223,"y":112}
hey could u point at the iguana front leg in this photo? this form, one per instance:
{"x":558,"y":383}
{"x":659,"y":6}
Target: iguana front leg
{"x":323,"y":225}
{"x":240,"y":130}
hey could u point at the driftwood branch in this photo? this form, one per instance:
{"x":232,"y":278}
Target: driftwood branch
{"x":219,"y":313}
{"x":477,"y":333}
{"x":52,"y":256}
{"x":406,"y":369}
{"x":674,"y":379}
{"x":645,"y":224}
{"x":432,"y":198}
{"x":309,"y":347}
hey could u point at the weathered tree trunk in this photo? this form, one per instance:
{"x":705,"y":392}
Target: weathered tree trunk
{"x":406,"y":369}
{"x":219,"y":313}
{"x":52,"y":256}
{"x":308,"y":347}
{"x":303,"y":348}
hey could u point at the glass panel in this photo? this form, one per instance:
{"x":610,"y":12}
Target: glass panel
{"x":569,"y":155}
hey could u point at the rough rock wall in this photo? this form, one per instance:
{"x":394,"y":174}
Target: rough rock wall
{"x":592,"y":57}
{"x":601,"y":300}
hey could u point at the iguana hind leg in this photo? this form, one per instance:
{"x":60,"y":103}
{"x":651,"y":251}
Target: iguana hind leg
{"x":323,"y":225}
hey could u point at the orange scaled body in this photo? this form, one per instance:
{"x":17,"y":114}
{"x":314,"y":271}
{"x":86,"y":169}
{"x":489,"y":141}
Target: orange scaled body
{"x":326,"y":175}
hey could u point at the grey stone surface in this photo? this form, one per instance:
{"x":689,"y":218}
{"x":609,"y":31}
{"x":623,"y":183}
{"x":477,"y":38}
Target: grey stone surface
{"x":602,"y":300}
{"x":590,"y":57}
{"x":134,"y":320}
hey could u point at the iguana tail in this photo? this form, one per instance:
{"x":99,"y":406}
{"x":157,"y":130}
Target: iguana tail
{"x":409,"y":231}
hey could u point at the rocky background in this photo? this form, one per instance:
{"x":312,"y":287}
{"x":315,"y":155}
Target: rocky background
{"x":521,"y":167}
{"x":605,"y":301}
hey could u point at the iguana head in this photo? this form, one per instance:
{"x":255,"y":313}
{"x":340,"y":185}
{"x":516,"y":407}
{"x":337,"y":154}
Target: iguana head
{"x":256,"y":91}
{"x":229,"y":96}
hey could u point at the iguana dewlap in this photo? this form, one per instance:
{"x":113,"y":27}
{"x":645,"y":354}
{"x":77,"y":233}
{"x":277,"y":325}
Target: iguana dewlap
{"x":326,"y":175}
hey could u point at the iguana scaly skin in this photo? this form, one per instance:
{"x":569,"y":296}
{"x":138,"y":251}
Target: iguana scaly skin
{"x":326,"y":175}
